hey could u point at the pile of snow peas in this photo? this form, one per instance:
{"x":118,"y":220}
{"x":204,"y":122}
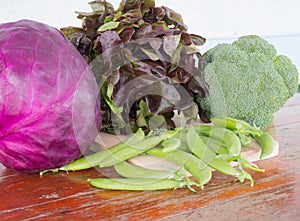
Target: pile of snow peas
{"x":196,"y":149}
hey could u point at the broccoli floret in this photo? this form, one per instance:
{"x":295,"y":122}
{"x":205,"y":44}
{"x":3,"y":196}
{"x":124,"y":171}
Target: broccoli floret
{"x":255,"y":44}
{"x":247,"y":81}
{"x":284,"y":67}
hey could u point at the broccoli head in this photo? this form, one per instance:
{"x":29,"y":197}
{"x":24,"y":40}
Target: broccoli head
{"x":247,"y":81}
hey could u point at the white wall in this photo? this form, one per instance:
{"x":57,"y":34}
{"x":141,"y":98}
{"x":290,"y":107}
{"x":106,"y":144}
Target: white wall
{"x":213,"y":18}
{"x":217,"y":20}
{"x":227,"y":18}
{"x":57,"y":13}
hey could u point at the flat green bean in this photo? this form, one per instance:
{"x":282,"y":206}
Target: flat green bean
{"x":241,"y":128}
{"x":93,"y":160}
{"x":235,"y":124}
{"x":223,"y":167}
{"x":198,"y":147}
{"x":248,"y":165}
{"x":227,"y":137}
{"x":203,"y":152}
{"x":266,"y":143}
{"x":129,"y":170}
{"x":135,"y":184}
{"x":197,"y":168}
{"x":129,"y":151}
{"x":214,"y":144}
{"x":171,"y":144}
{"x":184,"y":147}
{"x":244,"y":139}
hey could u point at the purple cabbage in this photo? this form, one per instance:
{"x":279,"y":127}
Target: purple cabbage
{"x":49,"y":102}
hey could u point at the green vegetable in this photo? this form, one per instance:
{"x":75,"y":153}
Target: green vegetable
{"x":203,"y":152}
{"x":214,"y":144}
{"x":236,"y":125}
{"x":129,"y":170}
{"x":136,"y":184}
{"x":241,"y":128}
{"x":129,"y":151}
{"x":93,"y":160}
{"x":197,"y":168}
{"x":244,"y":139}
{"x":248,"y":165}
{"x":133,"y":149}
{"x":266,"y":142}
{"x":248,"y":81}
{"x":227,"y":137}
{"x":198,"y":147}
{"x":223,"y":167}
{"x":171,"y":144}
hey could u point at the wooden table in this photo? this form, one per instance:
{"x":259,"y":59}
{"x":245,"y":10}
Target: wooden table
{"x":67,"y":196}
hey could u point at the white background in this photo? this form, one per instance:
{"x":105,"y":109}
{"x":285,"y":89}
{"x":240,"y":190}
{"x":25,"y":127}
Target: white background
{"x":216,"y":20}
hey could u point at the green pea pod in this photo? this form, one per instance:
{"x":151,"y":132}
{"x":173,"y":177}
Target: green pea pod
{"x":248,"y":165}
{"x":93,"y":160}
{"x":223,"y":167}
{"x":184,"y":147}
{"x":266,"y":143}
{"x":198,"y":147}
{"x":203,"y":152}
{"x":171,"y":144}
{"x":129,"y":170}
{"x":129,"y":151}
{"x":235,"y":124}
{"x":227,"y":137}
{"x":197,"y":168}
{"x":136,"y":184}
{"x":214,"y":144}
{"x":244,"y":139}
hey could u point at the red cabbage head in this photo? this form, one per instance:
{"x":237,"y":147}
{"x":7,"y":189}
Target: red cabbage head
{"x":49,"y":101}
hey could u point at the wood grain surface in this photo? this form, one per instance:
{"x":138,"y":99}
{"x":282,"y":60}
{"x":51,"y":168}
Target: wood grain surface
{"x":67,"y":196}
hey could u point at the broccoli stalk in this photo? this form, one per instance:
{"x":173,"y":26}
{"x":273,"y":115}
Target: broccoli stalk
{"x":247,"y":81}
